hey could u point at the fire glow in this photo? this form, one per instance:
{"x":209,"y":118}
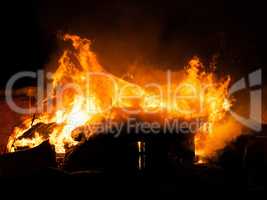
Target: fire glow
{"x":102,"y":96}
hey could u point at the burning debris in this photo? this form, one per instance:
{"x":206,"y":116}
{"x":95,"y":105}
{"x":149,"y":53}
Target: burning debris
{"x":36,"y":134}
{"x":88,"y":95}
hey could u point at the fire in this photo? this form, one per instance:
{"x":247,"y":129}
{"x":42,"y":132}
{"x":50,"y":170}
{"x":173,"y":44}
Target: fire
{"x":88,"y":93}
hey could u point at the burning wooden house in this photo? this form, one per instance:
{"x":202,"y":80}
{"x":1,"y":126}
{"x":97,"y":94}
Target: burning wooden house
{"x":86,"y":114}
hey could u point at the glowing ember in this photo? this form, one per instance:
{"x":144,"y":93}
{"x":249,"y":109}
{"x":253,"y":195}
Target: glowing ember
{"x":85,"y":99}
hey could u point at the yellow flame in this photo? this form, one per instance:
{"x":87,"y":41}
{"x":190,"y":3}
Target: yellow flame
{"x":211,"y":98}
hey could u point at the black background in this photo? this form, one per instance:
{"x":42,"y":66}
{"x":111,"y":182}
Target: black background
{"x":160,"y":33}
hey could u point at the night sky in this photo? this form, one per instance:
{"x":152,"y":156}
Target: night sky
{"x":160,"y":33}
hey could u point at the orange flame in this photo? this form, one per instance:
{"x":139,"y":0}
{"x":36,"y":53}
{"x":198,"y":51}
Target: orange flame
{"x":97,"y":95}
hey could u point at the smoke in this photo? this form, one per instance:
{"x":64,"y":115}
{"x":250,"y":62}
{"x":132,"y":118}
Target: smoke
{"x":160,"y":34}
